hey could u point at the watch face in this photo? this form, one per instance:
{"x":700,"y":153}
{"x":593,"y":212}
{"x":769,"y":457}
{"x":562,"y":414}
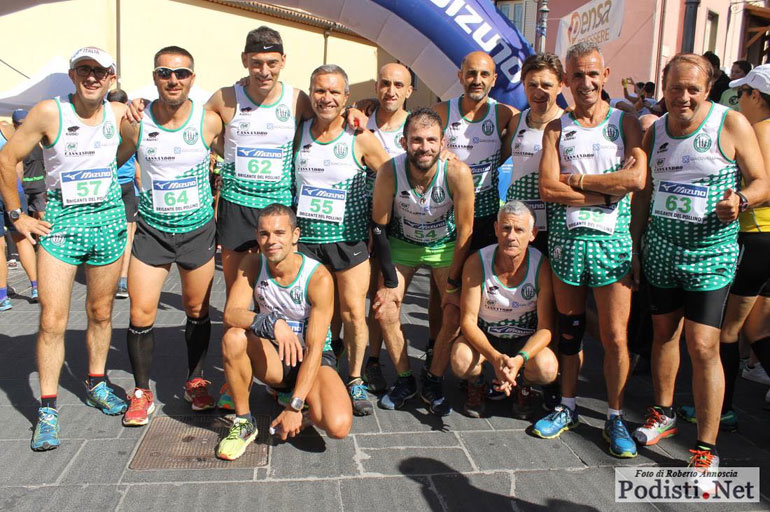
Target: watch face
{"x":14,"y":214}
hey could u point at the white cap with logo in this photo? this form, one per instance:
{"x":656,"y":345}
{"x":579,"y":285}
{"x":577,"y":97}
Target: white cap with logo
{"x":91,"y":52}
{"x":758,"y":78}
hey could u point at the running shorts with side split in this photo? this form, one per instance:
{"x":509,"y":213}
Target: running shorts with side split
{"x":667,"y":265}
{"x":752,"y":277}
{"x":93,"y":245}
{"x":189,"y":250}
{"x":290,"y":373}
{"x":236,"y":226}
{"x":336,"y":255}
{"x":412,"y":255}
{"x":597,"y":262}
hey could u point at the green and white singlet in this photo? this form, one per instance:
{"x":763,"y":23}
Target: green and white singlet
{"x":595,"y":150}
{"x":81,"y":170}
{"x":290,"y":301}
{"x":331,"y":189}
{"x":390,"y":140}
{"x":478,"y":144}
{"x":690,"y":174}
{"x":509,"y":312}
{"x":526,"y":151}
{"x":176,"y":193}
{"x":258,"y":151}
{"x":426,"y":219}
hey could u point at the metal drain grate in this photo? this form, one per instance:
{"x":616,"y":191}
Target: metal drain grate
{"x":188,"y":442}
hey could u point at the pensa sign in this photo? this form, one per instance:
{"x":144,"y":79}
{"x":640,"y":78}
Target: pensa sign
{"x":599,"y":22}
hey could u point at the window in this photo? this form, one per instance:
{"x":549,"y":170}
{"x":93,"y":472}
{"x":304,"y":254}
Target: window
{"x":710,"y":33}
{"x":514,"y":11}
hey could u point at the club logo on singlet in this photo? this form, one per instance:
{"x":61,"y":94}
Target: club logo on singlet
{"x":296,"y":295}
{"x":341,"y":150}
{"x":611,"y":132}
{"x":243,"y":126}
{"x":528,"y":291}
{"x":659,"y":162}
{"x":702,"y":142}
{"x":150,"y":151}
{"x":397,"y":139}
{"x":438,"y":195}
{"x":282,"y":112}
{"x":569,"y":150}
{"x":72,"y":146}
{"x":108,"y":130}
{"x":487,"y":127}
{"x":190,"y":135}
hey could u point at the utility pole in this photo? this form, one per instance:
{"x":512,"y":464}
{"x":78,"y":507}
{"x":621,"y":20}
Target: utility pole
{"x":542,"y":26}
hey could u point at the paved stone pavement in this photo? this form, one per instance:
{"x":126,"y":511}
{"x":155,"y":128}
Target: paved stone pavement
{"x":392,"y":460}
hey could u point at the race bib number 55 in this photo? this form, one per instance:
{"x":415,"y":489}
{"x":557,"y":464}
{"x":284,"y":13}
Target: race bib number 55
{"x":322,"y":204}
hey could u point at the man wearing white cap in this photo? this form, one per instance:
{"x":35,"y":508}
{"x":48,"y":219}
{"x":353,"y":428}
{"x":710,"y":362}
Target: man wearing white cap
{"x":85,"y":224}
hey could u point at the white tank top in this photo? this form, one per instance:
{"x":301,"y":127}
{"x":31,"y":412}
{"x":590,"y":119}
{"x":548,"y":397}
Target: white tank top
{"x":176,"y":194}
{"x":509,"y":312}
{"x":290,"y":301}
{"x":258,"y":150}
{"x":390,"y":139}
{"x":526,"y":151}
{"x":425,"y":219}
{"x":478,"y":144}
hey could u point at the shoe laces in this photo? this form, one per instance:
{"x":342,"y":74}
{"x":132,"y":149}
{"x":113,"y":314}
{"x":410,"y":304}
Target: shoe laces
{"x":358,"y":391}
{"x":237,"y":430}
{"x":138,"y":399}
{"x":701,"y":459}
{"x":561,"y":413}
{"x":654,"y":416}
{"x":46,"y":422}
{"x":618,"y":429}
{"x":105,"y":394}
{"x":402,"y":387}
{"x":197,"y":387}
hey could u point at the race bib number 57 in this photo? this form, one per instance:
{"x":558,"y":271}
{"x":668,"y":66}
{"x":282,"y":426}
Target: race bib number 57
{"x":84,"y":187}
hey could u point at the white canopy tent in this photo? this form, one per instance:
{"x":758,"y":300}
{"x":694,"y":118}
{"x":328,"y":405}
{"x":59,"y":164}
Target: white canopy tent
{"x":52,"y":80}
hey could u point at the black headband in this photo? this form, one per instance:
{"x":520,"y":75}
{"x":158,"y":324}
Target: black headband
{"x":263,"y":48}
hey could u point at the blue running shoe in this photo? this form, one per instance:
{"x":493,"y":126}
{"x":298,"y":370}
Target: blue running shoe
{"x":46,"y":435}
{"x":432,"y":393}
{"x":104,"y":398}
{"x":616,"y":433}
{"x":5,"y":304}
{"x":33,"y":295}
{"x":404,"y":389}
{"x":728,"y":422}
{"x":361,"y":404}
{"x":560,"y":419}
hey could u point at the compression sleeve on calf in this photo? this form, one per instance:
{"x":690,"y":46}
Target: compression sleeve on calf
{"x":382,"y":251}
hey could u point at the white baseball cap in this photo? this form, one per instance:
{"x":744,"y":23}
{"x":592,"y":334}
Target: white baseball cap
{"x":758,"y":78}
{"x":91,"y":52}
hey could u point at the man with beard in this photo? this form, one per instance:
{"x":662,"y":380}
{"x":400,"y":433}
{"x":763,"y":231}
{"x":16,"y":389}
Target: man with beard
{"x":431,"y":201}
{"x":85,"y":224}
{"x":175,"y":225}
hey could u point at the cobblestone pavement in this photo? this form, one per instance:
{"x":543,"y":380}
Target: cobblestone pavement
{"x":393,"y":460}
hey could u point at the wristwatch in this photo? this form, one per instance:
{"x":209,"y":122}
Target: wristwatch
{"x":296,"y":404}
{"x":743,"y":205}
{"x":14,"y":215}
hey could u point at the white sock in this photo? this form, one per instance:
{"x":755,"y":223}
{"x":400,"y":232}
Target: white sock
{"x":569,"y":402}
{"x":616,"y":412}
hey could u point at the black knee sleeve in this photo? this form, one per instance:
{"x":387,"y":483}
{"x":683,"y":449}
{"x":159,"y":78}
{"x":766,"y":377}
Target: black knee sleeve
{"x":573,"y":326}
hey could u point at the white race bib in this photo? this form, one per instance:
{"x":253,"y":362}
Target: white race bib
{"x":538,"y":208}
{"x":482,"y":177}
{"x":681,"y":201}
{"x":173,"y":196}
{"x":598,"y":218}
{"x":259,"y":164}
{"x":424,"y":233}
{"x":322,"y":204}
{"x":84,"y":187}
{"x":298,"y":328}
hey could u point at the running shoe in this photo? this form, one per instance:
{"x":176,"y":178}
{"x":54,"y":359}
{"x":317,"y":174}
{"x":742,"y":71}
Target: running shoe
{"x":404,"y":389}
{"x":122,"y":292}
{"x":557,"y":421}
{"x":522,"y":404}
{"x":104,"y":398}
{"x":241,"y":435}
{"x":33,"y":294}
{"x":474,"y":401}
{"x":432,"y":393}
{"x":142,"y":405}
{"x":225,"y":399}
{"x":616,"y":433}
{"x":728,"y":422}
{"x":375,"y":380}
{"x":656,"y":426}
{"x":5,"y":304}
{"x":756,"y":374}
{"x":46,"y":435}
{"x":196,"y":391}
{"x":361,"y":404}
{"x":704,"y":462}
{"x":12,"y":263}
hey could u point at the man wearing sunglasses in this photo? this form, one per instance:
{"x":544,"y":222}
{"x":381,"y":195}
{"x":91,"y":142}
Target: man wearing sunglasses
{"x":85,"y":224}
{"x":175,"y":225}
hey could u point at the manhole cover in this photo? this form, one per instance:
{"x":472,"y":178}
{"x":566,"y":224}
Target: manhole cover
{"x":188,"y":442}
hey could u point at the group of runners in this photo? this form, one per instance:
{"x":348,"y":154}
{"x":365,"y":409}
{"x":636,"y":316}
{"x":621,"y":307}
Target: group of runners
{"x":322,"y":206}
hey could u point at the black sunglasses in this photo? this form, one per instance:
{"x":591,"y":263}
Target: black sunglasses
{"x":164,"y":73}
{"x":742,"y":90}
{"x":99,"y":73}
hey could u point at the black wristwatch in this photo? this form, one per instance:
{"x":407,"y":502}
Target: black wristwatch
{"x":743,"y":205}
{"x":14,"y":215}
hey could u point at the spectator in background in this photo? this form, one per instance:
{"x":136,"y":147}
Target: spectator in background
{"x":129,"y":179}
{"x":729,"y":98}
{"x":33,"y":181}
{"x":721,"y":81}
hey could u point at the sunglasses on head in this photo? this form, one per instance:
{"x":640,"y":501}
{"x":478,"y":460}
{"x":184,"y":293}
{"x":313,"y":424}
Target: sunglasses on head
{"x":164,"y":73}
{"x":99,"y":73}
{"x":744,"y":90}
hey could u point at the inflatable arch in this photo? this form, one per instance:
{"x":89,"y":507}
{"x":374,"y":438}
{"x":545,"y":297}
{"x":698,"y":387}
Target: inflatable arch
{"x":432,"y":36}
